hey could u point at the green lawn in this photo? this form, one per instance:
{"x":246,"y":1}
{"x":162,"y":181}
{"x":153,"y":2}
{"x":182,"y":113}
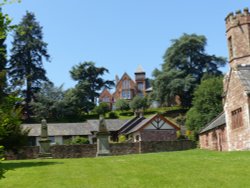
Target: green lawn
{"x":193,"y":168}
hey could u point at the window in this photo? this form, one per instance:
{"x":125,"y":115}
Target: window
{"x":137,"y":138}
{"x":126,"y":94}
{"x":140,"y":86}
{"x":125,"y":84}
{"x":106,"y":99}
{"x":230,"y":47}
{"x":31,"y":141}
{"x":52,"y":139}
{"x":237,"y":118}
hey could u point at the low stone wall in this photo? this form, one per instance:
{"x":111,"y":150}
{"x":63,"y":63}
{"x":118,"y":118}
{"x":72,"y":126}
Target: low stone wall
{"x":73,"y":151}
{"x":89,"y":150}
{"x":29,"y":152}
{"x":124,"y":148}
{"x":161,"y":146}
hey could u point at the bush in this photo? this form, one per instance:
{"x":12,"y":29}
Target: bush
{"x":122,"y":104}
{"x":129,"y":113}
{"x":79,"y":140}
{"x":122,"y":139}
{"x":113,"y":115}
{"x":102,"y":109}
{"x":2,"y":171}
{"x":138,"y":103}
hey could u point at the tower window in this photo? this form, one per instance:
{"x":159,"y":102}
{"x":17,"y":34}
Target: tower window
{"x":230,"y":46}
{"x":140,"y":86}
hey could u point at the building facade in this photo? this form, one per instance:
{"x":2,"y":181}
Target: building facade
{"x":233,"y":131}
{"x":127,"y":88}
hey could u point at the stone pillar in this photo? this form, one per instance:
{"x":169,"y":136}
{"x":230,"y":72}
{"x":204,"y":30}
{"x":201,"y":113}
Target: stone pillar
{"x":44,"y":141}
{"x":102,"y":139}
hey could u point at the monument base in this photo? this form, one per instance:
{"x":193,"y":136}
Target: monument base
{"x":103,"y":154}
{"x":45,"y":155}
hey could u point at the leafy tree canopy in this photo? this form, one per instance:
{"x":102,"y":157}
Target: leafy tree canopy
{"x":122,"y":104}
{"x":90,"y":82}
{"x":138,"y":103}
{"x":207,"y":103}
{"x":12,"y":136}
{"x":185,"y":63}
{"x":102,"y":109}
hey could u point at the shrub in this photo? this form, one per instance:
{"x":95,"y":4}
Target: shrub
{"x":122,"y":105}
{"x":138,"y":103}
{"x":122,"y":139}
{"x":102,"y":109}
{"x":129,"y":113}
{"x":2,"y":171}
{"x":113,"y":115}
{"x":79,"y":140}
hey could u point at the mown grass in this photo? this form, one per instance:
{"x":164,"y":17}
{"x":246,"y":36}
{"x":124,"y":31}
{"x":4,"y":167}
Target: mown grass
{"x":193,"y":168}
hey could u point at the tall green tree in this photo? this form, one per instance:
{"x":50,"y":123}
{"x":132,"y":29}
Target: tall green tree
{"x":27,"y":57}
{"x":185,"y":63}
{"x":89,"y":81}
{"x":5,"y":27}
{"x":207,"y":103}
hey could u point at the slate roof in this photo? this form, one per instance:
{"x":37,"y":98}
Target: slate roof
{"x":244,"y":74}
{"x":60,"y":129}
{"x":71,"y":129}
{"x":218,"y":121}
{"x":112,"y":124}
{"x":141,"y":124}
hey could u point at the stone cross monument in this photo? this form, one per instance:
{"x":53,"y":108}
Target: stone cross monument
{"x":102,"y":139}
{"x":44,"y":141}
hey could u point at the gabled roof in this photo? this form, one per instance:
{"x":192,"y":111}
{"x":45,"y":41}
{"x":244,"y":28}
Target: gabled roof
{"x":216,"y":122}
{"x":244,"y":75}
{"x":122,"y":78}
{"x":126,"y":127}
{"x":105,"y":92}
{"x":146,"y":121}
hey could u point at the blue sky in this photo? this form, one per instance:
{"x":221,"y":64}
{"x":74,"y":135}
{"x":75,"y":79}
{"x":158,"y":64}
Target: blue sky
{"x":120,"y":35}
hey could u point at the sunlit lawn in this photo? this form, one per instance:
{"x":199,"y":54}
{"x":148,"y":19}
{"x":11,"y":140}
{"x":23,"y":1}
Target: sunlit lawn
{"x":193,"y":168}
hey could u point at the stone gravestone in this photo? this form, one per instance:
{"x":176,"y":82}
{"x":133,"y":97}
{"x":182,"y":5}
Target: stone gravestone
{"x":102,"y":139}
{"x":44,"y":141}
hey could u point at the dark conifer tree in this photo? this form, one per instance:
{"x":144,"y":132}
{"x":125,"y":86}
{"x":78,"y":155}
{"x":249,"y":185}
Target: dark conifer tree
{"x":27,"y":57}
{"x":4,"y":28}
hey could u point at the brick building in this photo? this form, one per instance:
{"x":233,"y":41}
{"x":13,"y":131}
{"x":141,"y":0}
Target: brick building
{"x":127,"y":88}
{"x":231,"y":129}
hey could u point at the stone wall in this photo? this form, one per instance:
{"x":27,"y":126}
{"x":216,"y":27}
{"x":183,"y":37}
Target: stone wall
{"x":89,"y":150}
{"x":236,"y":98}
{"x":29,"y":152}
{"x":158,"y":135}
{"x":124,"y":148}
{"x":73,"y":151}
{"x":215,"y":139}
{"x":161,"y":146}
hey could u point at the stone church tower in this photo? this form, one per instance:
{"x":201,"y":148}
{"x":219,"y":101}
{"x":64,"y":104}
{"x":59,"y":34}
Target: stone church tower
{"x":237,"y":81}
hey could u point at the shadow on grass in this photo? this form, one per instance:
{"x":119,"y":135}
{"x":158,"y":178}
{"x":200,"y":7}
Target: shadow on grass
{"x":23,"y":164}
